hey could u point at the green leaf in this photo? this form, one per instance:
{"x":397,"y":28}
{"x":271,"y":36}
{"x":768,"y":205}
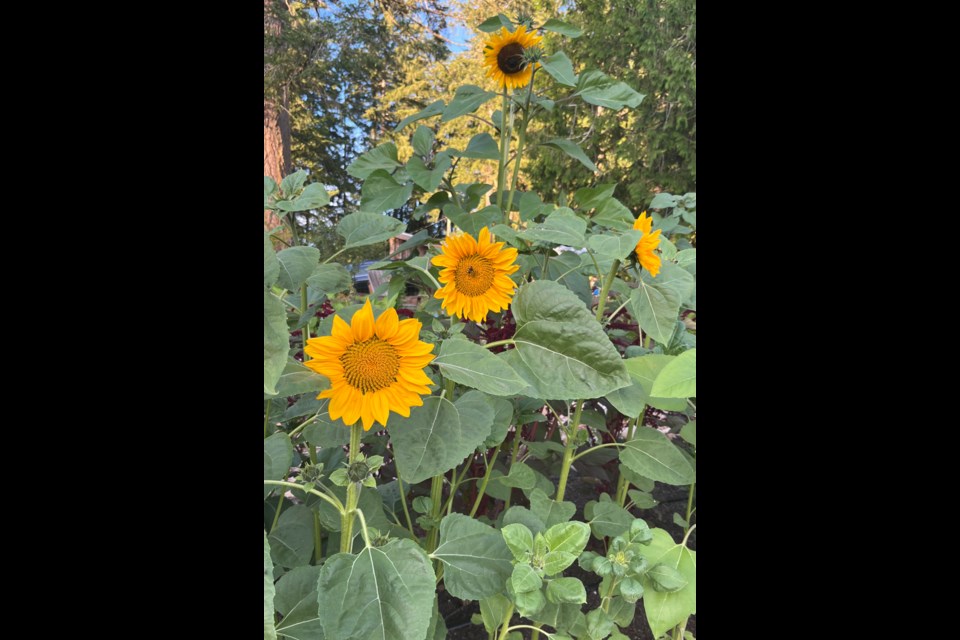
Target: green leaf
{"x":502,"y":420}
{"x":476,"y":558}
{"x":481,"y":147}
{"x":616,"y":246}
{"x":470,"y":364}
{"x":642,"y":499}
{"x":475,"y":408}
{"x":297,"y":602}
{"x":665,"y":578}
{"x":423,"y":140}
{"x":297,"y":379}
{"x":529,"y":603}
{"x":383,"y":157}
{"x":530,"y":206}
{"x":643,"y":371}
{"x":428,"y":179}
{"x":570,"y":537}
{"x":563,"y":345}
{"x":592,"y":197}
{"x":651,"y":454}
{"x":679,"y":378}
{"x":664,"y":201}
{"x":293,"y":183}
{"x":667,"y":610}
{"x":313,"y":196}
{"x":556,"y":561}
{"x":292,"y":540}
{"x":269,"y":187}
{"x":562,"y":226}
{"x":523,"y":516}
{"x":631,"y":590}
{"x":559,"y":66}
{"x":525,"y":579}
{"x":519,"y":540}
{"x":362,"y":228}
{"x":296,"y":265}
{"x":600,"y":89}
{"x":276,"y":341}
{"x":467,"y":99}
{"x":570,"y":360}
{"x":330,"y":278}
{"x":656,"y":308}
{"x":569,"y":590}
{"x":381,"y":193}
{"x":277,"y":457}
{"x":271,"y":267}
{"x":383,"y":592}
{"x":689,"y":432}
{"x":687,"y":260}
{"x":608,"y":519}
{"x":561,"y":27}
{"x":598,"y":625}
{"x":434,"y":109}
{"x":573,"y":150}
{"x":490,"y":25}
{"x":433,"y":440}
{"x":269,"y":633}
{"x":550,"y":511}
{"x":472,"y":223}
{"x":494,"y":610}
{"x":611,"y":213}
{"x":630,"y":400}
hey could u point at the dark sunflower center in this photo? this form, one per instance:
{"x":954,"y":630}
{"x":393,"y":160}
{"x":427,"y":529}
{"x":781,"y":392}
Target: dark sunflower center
{"x":510,"y":59}
{"x":474,"y":276}
{"x":370,"y":365}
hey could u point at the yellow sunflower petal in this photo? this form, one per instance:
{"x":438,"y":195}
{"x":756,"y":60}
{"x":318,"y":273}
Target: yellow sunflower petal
{"x":362,"y":323}
{"x":387,"y":324}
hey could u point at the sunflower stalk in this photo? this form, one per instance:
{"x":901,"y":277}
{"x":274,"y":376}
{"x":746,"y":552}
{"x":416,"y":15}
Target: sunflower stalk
{"x":504,"y":150}
{"x":353,"y":493}
{"x":521,"y":140}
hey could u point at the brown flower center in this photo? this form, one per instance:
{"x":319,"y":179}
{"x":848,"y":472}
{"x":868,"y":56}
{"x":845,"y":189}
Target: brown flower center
{"x":510,"y":59}
{"x":370,"y":365}
{"x":474,"y":276}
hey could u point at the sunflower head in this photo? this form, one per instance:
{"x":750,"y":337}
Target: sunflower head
{"x":475,"y":273}
{"x":505,"y":57}
{"x":648,"y":243}
{"x":374,"y":367}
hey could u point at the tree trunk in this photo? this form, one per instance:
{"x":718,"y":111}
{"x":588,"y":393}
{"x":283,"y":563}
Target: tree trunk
{"x":276,"y":125}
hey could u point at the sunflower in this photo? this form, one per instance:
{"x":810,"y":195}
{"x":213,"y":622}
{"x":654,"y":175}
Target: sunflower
{"x":503,"y":55}
{"x":374,"y":367}
{"x":475,"y":275}
{"x":648,"y":242}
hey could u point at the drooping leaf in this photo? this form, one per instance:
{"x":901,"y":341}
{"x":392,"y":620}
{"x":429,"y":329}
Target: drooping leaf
{"x":382,"y":592}
{"x":434,"y":109}
{"x":362,"y":228}
{"x":679,"y":378}
{"x":559,"y":66}
{"x":652,"y":455}
{"x":573,"y":150}
{"x":467,"y":99}
{"x":600,"y":89}
{"x":561,"y":27}
{"x":383,"y":157}
{"x":665,"y":609}
{"x":475,"y":557}
{"x":380,"y":193}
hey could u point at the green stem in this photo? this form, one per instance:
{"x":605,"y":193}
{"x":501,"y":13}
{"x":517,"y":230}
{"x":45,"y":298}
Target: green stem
{"x":513,"y":458}
{"x":504,"y":148}
{"x":689,"y":507}
{"x":317,"y":530}
{"x":522,"y":138}
{"x":622,"y":484}
{"x":605,"y":289}
{"x":486,"y":479}
{"x":353,"y":493}
{"x":276,"y":514}
{"x":506,"y":623}
{"x":594,"y":448}
{"x":291,"y":485}
{"x":305,"y":333}
{"x":568,"y":452}
{"x":436,"y":495}
{"x":497,"y":343}
{"x":363,"y":527}
{"x":334,"y":255}
{"x":266,"y":418}
{"x":456,"y":481}
{"x":536,"y":630}
{"x":605,"y":605}
{"x":403,"y":501}
{"x":687,"y":535}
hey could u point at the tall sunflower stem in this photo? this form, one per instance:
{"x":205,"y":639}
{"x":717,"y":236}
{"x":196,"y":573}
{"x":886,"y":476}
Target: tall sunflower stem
{"x":436,"y":495}
{"x":513,"y":459}
{"x":403,"y":501}
{"x":605,"y":289}
{"x":305,"y":332}
{"x":568,"y":449}
{"x":353,"y":493}
{"x":521,"y":140}
{"x":317,"y":529}
{"x":486,"y":479}
{"x":622,"y":485}
{"x":504,"y":148}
